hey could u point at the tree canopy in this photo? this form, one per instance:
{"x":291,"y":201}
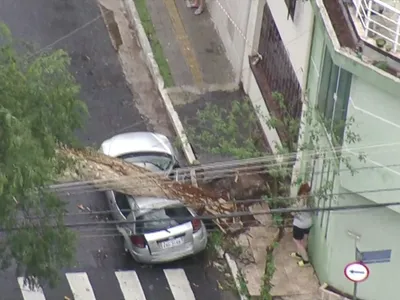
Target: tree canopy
{"x":40,"y":109}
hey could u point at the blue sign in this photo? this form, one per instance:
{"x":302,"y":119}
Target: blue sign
{"x":374,"y":257}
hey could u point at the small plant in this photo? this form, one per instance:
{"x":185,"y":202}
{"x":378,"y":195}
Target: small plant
{"x":388,"y":47}
{"x":215,"y":239}
{"x":269,"y":273}
{"x":380,"y":42}
{"x":236,"y":250}
{"x":243,"y":291}
{"x":273,"y":203}
{"x":383,"y":65}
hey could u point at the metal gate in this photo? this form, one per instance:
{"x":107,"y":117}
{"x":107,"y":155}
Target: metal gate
{"x":274,"y":73}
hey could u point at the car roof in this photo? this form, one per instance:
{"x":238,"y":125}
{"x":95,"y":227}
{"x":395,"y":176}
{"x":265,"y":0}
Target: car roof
{"x":149,"y":203}
{"x":135,"y":142}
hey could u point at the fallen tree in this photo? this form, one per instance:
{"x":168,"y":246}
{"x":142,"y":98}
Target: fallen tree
{"x":108,"y":173}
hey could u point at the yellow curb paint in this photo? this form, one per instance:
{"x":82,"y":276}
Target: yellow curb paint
{"x":184,"y":42}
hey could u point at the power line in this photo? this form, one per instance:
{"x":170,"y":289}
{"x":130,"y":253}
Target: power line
{"x":244,"y":214}
{"x":235,"y":215}
{"x":112,"y":227}
{"x":126,"y":181}
{"x":254,"y":201}
{"x":272,"y":211}
{"x":202,"y":170}
{"x":68,"y":35}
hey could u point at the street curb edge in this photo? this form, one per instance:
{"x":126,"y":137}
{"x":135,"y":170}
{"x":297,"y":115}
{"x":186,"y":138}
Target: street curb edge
{"x":233,"y":267}
{"x":151,"y":63}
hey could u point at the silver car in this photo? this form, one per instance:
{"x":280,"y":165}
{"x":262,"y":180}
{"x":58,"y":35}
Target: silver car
{"x":162,"y":230}
{"x":149,"y":150}
{"x":164,"y":235}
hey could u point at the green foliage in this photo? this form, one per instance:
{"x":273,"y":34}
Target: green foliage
{"x":285,"y":123}
{"x":383,"y":65}
{"x":243,"y":290}
{"x":232,"y":131}
{"x":269,"y":273}
{"x":39,"y":110}
{"x":145,"y":18}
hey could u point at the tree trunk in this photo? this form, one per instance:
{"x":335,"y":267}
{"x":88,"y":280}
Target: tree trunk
{"x":108,"y":173}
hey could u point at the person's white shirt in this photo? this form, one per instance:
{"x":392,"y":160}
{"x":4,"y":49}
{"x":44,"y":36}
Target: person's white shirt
{"x":303,"y":219}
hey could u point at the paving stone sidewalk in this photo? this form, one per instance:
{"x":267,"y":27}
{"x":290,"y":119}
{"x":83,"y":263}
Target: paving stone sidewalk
{"x":291,"y":282}
{"x":202,"y":74}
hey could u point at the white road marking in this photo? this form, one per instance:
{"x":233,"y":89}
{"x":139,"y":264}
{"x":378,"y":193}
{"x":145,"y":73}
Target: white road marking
{"x":179,"y":284}
{"x":80,"y":286}
{"x":27,"y":294}
{"x":130,"y":285}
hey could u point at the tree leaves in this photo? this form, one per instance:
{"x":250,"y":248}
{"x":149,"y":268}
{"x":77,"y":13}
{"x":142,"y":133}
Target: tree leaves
{"x":232,"y":131}
{"x":39,"y":110}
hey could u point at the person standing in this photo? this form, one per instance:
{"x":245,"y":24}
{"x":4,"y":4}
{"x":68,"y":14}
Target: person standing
{"x":198,"y":4}
{"x":302,"y":223}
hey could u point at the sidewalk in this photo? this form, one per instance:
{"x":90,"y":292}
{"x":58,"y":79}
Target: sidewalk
{"x":291,"y":282}
{"x":191,"y":44}
{"x":202,"y":74}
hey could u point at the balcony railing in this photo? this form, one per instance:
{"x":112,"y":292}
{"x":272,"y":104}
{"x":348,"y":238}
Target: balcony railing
{"x":379,"y":20}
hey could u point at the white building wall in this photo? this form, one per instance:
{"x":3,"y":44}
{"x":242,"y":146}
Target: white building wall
{"x":230,"y":18}
{"x":296,"y":34}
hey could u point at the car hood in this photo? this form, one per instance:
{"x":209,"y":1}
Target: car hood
{"x":137,"y":142}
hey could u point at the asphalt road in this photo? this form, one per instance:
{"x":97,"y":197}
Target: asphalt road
{"x":77,"y":27}
{"x":94,"y":61}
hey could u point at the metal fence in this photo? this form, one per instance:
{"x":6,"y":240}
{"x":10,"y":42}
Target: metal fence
{"x":277,"y":67}
{"x":380,"y":20}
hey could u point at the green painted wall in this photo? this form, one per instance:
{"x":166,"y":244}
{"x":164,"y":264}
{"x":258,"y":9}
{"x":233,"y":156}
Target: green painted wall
{"x":318,"y":244}
{"x":375,"y":106}
{"x":379,"y":230}
{"x":321,"y":240}
{"x":376,"y":114}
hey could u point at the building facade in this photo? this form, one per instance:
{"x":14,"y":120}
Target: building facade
{"x":343,"y":85}
{"x":325,"y":51}
{"x":268,"y":43}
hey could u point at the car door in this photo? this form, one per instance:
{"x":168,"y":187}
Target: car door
{"x":122,"y":212}
{"x":119,"y":205}
{"x":123,"y":205}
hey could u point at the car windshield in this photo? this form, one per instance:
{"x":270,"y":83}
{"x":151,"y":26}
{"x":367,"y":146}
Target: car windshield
{"x":162,"y":219}
{"x":161,"y":161}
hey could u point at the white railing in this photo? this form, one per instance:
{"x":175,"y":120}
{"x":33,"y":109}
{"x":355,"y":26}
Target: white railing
{"x":381,"y":19}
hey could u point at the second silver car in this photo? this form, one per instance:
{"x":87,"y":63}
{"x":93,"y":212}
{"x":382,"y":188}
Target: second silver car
{"x":160,"y":230}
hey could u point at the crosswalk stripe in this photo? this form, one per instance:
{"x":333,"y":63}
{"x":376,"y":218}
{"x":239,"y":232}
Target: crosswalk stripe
{"x":130,"y":285}
{"x":80,"y":286}
{"x":27,"y":294}
{"x":179,"y":284}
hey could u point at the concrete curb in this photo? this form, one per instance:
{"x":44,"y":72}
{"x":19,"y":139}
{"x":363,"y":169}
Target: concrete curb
{"x":235,"y":273}
{"x":158,"y":80}
{"x":173,"y":115}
